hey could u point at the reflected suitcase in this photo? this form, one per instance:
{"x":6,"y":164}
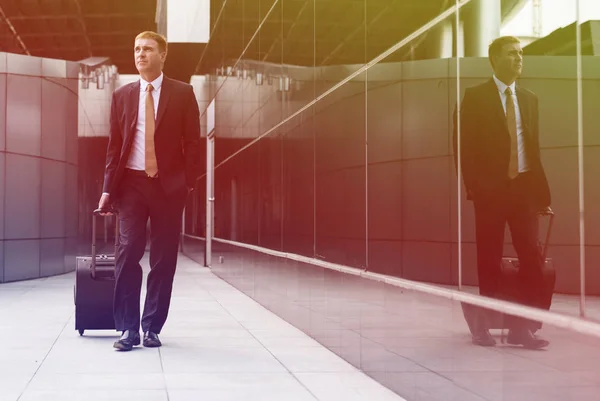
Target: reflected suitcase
{"x":95,"y":285}
{"x":509,"y":288}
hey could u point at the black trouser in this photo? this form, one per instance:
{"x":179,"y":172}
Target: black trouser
{"x":512,"y":204}
{"x":141,"y":198}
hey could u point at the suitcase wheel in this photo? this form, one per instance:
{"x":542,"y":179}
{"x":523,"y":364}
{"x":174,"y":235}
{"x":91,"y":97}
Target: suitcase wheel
{"x":81,"y":332}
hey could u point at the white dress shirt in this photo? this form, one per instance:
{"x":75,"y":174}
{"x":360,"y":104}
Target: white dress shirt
{"x":137,"y":157}
{"x":523,"y":167}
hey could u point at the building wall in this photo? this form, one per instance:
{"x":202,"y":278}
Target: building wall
{"x":38,"y":166}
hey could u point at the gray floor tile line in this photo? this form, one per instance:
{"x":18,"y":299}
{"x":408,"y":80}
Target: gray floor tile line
{"x":525,"y":357}
{"x":439,"y":374}
{"x":258,"y":340}
{"x":45,"y":356}
{"x":288,"y":370}
{"x":28,"y":289}
{"x":543,"y":363}
{"x":162,"y":369}
{"x":442,"y":375}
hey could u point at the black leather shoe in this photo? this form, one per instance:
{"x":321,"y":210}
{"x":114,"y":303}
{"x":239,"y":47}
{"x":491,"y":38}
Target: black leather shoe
{"x":483,"y":338}
{"x":480,"y":335}
{"x":526,"y":338}
{"x":127,"y":340}
{"x":151,"y":340}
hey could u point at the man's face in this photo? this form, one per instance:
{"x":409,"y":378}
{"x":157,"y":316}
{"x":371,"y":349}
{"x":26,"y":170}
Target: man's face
{"x":510,"y":60}
{"x":147,"y":56}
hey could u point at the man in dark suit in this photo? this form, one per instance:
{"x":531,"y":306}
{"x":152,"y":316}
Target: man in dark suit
{"x":504,"y":177}
{"x":152,"y":164}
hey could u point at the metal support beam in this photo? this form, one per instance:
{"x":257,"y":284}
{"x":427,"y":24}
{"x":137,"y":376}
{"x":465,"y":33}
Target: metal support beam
{"x":210,"y":196}
{"x":83,"y":27}
{"x":71,"y":34}
{"x":14,"y":31}
{"x":99,"y":49}
{"x":210,"y":179}
{"x":76,"y":16}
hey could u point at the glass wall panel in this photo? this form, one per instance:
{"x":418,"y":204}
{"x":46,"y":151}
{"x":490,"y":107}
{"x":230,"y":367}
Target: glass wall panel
{"x":298,"y":158}
{"x":340,"y":173}
{"x":590,"y":119}
{"x":296,"y":95}
{"x":410,"y":167}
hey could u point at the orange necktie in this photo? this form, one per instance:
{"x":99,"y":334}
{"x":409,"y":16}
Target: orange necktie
{"x":511,"y":119}
{"x":151,"y":164}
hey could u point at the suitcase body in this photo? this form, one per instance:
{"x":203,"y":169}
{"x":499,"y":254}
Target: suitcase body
{"x":509,"y":289}
{"x":94,"y":288}
{"x":94,"y":295}
{"x":509,"y":281}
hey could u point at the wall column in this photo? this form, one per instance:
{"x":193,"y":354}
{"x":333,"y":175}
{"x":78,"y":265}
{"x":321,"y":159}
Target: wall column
{"x":481,"y":26}
{"x":439,"y":41}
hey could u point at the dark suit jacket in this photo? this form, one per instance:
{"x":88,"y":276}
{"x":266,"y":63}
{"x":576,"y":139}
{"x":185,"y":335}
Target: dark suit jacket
{"x":485,"y":142}
{"x":176,"y":136}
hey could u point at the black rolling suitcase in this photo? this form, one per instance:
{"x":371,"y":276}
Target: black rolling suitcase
{"x":509,"y":288}
{"x":95,"y":285}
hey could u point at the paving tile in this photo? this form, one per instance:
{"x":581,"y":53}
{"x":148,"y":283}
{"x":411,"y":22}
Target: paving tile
{"x":236,"y":386}
{"x":214,"y":358}
{"x":310,"y":359}
{"x":347,"y":386}
{"x":106,"y":394}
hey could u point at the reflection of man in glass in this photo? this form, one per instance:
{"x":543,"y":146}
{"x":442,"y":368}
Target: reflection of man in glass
{"x":504,"y":178}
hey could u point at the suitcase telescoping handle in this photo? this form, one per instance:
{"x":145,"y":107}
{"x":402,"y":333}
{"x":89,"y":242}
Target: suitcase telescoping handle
{"x":100,"y":212}
{"x":550,"y":215}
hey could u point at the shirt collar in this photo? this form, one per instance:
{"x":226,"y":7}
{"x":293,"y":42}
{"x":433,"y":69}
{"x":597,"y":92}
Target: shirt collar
{"x":156,"y":84}
{"x":502,"y":86}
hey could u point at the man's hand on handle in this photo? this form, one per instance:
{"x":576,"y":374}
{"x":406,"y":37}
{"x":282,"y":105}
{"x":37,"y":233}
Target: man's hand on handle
{"x":104,"y":204}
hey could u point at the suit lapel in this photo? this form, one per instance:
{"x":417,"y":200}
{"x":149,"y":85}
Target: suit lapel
{"x":496,"y":103}
{"x":133,"y":102}
{"x":165,"y":94}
